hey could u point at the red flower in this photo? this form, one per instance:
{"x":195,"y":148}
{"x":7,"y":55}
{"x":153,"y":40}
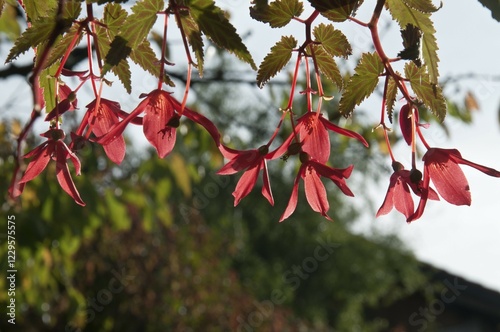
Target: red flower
{"x":310,"y":171}
{"x":313,"y":131}
{"x":398,"y":195}
{"x":101,"y":120}
{"x":160,"y":122}
{"x":54,"y":148}
{"x":253,"y":161}
{"x":441,"y":165}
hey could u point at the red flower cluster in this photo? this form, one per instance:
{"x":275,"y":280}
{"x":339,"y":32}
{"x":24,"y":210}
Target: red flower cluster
{"x":312,"y":142}
{"x":440,"y":165}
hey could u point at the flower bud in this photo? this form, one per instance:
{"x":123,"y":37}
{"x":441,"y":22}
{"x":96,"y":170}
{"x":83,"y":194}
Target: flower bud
{"x":415,"y":176}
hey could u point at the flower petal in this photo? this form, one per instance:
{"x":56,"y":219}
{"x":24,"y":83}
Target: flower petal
{"x":266,"y":187}
{"x":314,"y":137}
{"x":336,"y":175}
{"x":292,"y":203}
{"x":243,"y":160}
{"x":388,"y":203}
{"x":316,"y":192}
{"x":38,"y":163}
{"x":158,"y":114}
{"x":105,"y":119}
{"x":403,"y":202}
{"x":246,"y":184}
{"x":64,"y":178}
{"x":343,"y":131}
{"x":450,"y":182}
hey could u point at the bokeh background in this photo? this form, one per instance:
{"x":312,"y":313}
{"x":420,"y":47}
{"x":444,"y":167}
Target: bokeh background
{"x":160,"y":247}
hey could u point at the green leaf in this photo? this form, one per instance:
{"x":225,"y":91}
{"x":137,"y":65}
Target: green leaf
{"x":405,"y":15}
{"x":145,"y":57}
{"x":114,"y":17}
{"x":274,"y":62}
{"x":390,"y":96}
{"x":138,"y":24}
{"x":334,"y":41}
{"x":193,"y":35}
{"x":36,"y":9}
{"x":362,"y":83}
{"x":39,"y":32}
{"x":279,"y":13}
{"x":336,"y":10}
{"x":131,"y":34}
{"x":430,"y":93}
{"x":425,"y":6}
{"x":215,"y":25}
{"x":62,"y":44}
{"x":48,"y":84}
{"x":326,"y":64}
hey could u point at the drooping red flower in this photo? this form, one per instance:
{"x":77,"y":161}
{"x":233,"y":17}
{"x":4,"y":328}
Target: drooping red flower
{"x":310,"y":171}
{"x":54,"y":148}
{"x":313,"y":132}
{"x":100,"y":120}
{"x":253,"y":161}
{"x":399,"y":196}
{"x":160,"y":122}
{"x":442,"y":167}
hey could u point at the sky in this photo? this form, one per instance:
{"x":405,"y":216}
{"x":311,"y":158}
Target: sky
{"x":461,"y":240}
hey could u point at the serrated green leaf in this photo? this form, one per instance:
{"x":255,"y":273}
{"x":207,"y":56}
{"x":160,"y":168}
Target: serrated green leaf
{"x":39,"y":32}
{"x":390,"y":96}
{"x":405,"y":15}
{"x":138,"y":24}
{"x":336,"y":10}
{"x":279,"y":13}
{"x":48,"y":84}
{"x":326,"y":64}
{"x":193,"y":35}
{"x":62,"y":44}
{"x":145,"y":57}
{"x":274,"y":62}
{"x":334,"y":41}
{"x":132,"y":33}
{"x":215,"y":25}
{"x":36,"y":9}
{"x":430,"y":93}
{"x":114,"y":17}
{"x":72,"y":10}
{"x":362,"y":83}
{"x":425,"y":6}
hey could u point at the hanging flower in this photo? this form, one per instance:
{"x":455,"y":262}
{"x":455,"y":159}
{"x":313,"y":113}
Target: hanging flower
{"x":310,"y":171}
{"x":54,"y":148}
{"x":399,"y":196}
{"x":442,"y":167}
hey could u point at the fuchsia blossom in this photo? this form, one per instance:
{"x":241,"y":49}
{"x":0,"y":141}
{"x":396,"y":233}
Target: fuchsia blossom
{"x":54,"y":148}
{"x":253,"y":161}
{"x":399,"y":196}
{"x":161,"y":119}
{"x":313,"y":132}
{"x":101,"y":120}
{"x":441,"y":166}
{"x":310,"y":171}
